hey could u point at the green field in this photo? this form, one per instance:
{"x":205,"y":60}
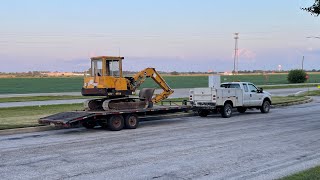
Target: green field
{"x":74,"y":84}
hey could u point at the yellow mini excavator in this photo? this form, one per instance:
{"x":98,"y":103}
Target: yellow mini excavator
{"x":106,"y":79}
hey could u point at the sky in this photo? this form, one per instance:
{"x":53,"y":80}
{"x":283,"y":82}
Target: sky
{"x":169,"y":35}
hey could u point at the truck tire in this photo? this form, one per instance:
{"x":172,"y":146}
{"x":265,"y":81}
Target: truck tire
{"x":226,"y":110}
{"x":131,"y":121}
{"x":241,"y":109}
{"x":203,"y":113}
{"x":89,"y":124}
{"x":265,"y":108}
{"x":116,"y":123}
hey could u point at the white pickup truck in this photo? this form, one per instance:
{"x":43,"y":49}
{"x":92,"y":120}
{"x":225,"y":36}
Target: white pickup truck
{"x":240,"y":95}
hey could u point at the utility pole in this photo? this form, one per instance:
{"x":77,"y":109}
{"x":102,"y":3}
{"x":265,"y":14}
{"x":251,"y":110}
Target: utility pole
{"x":302,"y":62}
{"x":235,"y":68}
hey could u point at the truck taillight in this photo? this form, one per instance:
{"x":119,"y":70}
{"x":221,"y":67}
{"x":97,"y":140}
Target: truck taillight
{"x":214,"y":97}
{"x":190,"y":98}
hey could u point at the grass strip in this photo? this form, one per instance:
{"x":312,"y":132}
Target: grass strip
{"x":287,"y":99}
{"x":309,"y":174}
{"x":42,"y":98}
{"x":17,"y":117}
{"x":288,"y":86}
{"x":311,"y":93}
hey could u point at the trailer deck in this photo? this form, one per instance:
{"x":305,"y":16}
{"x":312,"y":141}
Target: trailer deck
{"x":76,"y":118}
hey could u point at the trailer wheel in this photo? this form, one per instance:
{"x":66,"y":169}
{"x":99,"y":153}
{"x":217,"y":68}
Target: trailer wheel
{"x":203,"y":113}
{"x":265,"y":108}
{"x":226,"y":110}
{"x":116,"y":122}
{"x":241,"y":109}
{"x":89,"y":124}
{"x":131,"y":121}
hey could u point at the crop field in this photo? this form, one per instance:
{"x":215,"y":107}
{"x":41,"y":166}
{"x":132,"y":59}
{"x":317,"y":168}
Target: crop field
{"x":74,"y":84}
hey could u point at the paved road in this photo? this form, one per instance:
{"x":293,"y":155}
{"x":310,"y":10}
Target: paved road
{"x":246,"y":146}
{"x":179,"y":93}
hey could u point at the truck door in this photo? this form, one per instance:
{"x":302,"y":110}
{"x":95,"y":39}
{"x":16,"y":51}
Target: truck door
{"x":255,"y":97}
{"x":246,"y":95}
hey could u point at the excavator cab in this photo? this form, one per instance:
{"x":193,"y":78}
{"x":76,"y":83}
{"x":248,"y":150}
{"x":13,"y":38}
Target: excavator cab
{"x":106,"y":78}
{"x":106,"y":66}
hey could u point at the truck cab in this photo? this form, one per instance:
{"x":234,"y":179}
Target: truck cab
{"x":240,"y":95}
{"x":252,"y":95}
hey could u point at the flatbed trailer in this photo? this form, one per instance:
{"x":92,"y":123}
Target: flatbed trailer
{"x":112,"y":119}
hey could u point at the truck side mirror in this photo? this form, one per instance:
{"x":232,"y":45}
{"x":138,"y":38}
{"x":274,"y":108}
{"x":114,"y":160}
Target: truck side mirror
{"x":260,"y":90}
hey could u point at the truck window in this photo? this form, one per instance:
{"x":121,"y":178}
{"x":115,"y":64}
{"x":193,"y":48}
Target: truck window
{"x":224,"y":85}
{"x":235,"y":86}
{"x":230,"y":86}
{"x":245,"y":87}
{"x":252,"y":88}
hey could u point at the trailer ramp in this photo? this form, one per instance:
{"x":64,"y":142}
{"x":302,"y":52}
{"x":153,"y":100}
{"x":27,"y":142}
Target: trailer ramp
{"x":65,"y":118}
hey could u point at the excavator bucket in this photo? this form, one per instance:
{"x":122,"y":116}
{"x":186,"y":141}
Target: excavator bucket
{"x":146,"y":93}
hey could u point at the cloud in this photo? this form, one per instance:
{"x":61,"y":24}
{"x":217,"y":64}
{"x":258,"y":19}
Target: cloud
{"x":246,"y":55}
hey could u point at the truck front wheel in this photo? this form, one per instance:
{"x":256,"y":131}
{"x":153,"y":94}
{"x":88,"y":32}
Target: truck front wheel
{"x":226,"y":110}
{"x":203,"y":113}
{"x":265,"y":108}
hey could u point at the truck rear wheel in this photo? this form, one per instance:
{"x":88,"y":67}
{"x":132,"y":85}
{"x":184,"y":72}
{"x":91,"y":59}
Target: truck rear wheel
{"x":131,"y":121}
{"x":226,"y":111}
{"x":203,"y":113}
{"x":241,"y":109}
{"x":116,"y":123}
{"x":265,"y":108}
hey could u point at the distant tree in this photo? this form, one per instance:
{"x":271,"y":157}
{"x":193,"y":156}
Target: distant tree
{"x":314,"y":9}
{"x":174,"y":73}
{"x":314,"y":70}
{"x":297,"y":76}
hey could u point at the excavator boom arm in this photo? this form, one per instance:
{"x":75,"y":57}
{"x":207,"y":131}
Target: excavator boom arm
{"x":140,"y":77}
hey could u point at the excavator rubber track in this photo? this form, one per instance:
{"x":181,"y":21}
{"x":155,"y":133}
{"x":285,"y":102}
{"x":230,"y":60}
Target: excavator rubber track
{"x":144,"y":101}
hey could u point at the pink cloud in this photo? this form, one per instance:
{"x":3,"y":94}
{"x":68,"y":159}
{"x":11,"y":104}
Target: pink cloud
{"x":246,"y":55}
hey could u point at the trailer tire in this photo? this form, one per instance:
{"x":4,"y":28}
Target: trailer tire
{"x":89,"y":124}
{"x":131,"y":121}
{"x":116,"y":122}
{"x":226,"y":110}
{"x":241,"y":109}
{"x":265,"y":108}
{"x":203,"y":113}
